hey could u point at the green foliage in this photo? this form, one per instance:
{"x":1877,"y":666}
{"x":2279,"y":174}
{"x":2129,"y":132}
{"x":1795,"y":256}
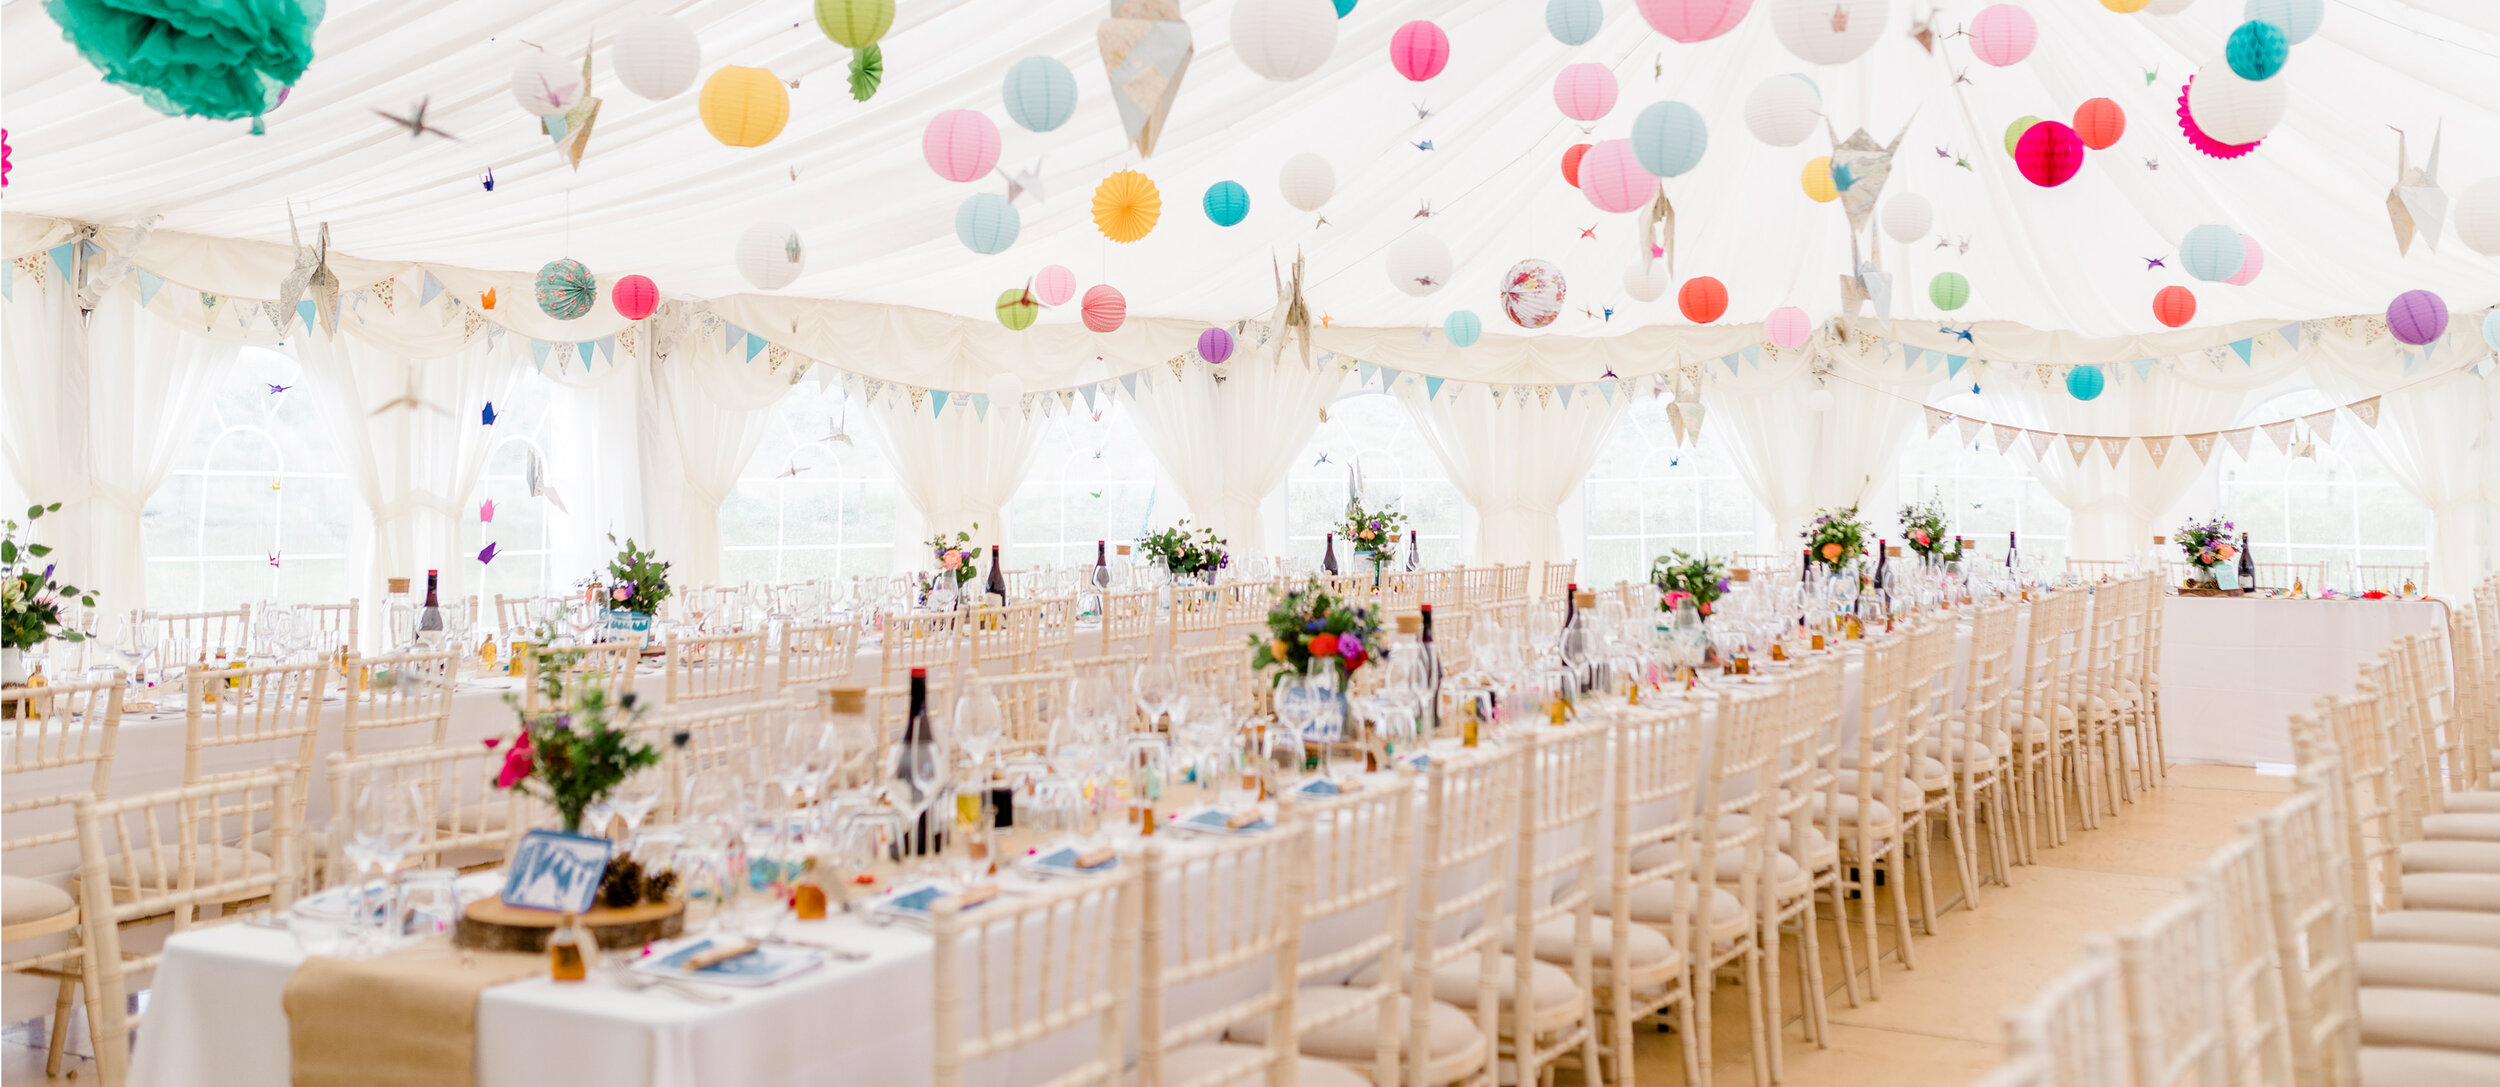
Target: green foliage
{"x":1185,"y":552}
{"x":640,"y":576}
{"x":1680,"y":575}
{"x":1374,"y":534}
{"x":1308,"y":625}
{"x":34,"y":598}
{"x":1924,"y":527}
{"x":1836,"y":538}
{"x":581,"y":747}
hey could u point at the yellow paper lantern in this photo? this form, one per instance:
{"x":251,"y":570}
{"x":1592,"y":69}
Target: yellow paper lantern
{"x":1126,"y":206}
{"x":1817,"y":180}
{"x":744,"y":107}
{"x":2125,"y":7}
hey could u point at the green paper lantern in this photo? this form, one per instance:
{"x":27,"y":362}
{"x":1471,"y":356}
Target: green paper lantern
{"x":1948,"y":290}
{"x":1017,"y":308}
{"x":2014,"y":132}
{"x":221,"y":61}
{"x":855,"y":23}
{"x":566,"y":290}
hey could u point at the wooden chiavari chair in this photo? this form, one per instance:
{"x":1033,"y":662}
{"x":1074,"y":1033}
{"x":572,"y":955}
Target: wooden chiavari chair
{"x":51,"y":729}
{"x":712,"y":667}
{"x":1196,"y":610}
{"x":1018,"y":971}
{"x":398,"y":696}
{"x":1804,"y":858}
{"x":1656,"y":768}
{"x":1470,"y":810}
{"x":206,"y":632}
{"x":931,"y":640}
{"x":1128,"y":621}
{"x":2171,"y":968}
{"x":1246,"y":603}
{"x":1211,"y":911}
{"x":716,"y":735}
{"x":816,"y":655}
{"x":1552,"y":909}
{"x":512,"y":613}
{"x":1007,"y":635}
{"x":1975,"y":745}
{"x":2259,"y":1035}
{"x":2313,"y":933}
{"x":2076,"y":1028}
{"x":469,"y":822}
{"x":1736,"y":808}
{"x":606,"y":665}
{"x":1054,"y":626}
{"x":1559,"y":577}
{"x":1515,"y":581}
{"x":170,"y":854}
{"x":1032,"y":703}
{"x":273,"y":710}
{"x":1224,"y":668}
{"x":1868,"y":810}
{"x":338,"y":622}
{"x":2310,"y":575}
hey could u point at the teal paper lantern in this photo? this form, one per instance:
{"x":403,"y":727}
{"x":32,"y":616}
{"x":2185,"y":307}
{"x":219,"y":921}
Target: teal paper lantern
{"x":2212,"y":252}
{"x":566,"y":289}
{"x":2085,"y":382}
{"x":987,"y":223}
{"x":1345,"y":8}
{"x":1949,"y":290}
{"x":1227,"y":203}
{"x":1668,"y":138}
{"x":2297,"y":19}
{"x":1040,"y":93}
{"x":2256,"y":50}
{"x":1574,"y":22}
{"x":2491,"y":329}
{"x":1463,"y":328}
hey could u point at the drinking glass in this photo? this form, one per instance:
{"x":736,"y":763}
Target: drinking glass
{"x":920,"y":773}
{"x":980,"y":726}
{"x":429,"y":903}
{"x":634,"y":797}
{"x":1157,"y":687}
{"x":384,"y":821}
{"x":135,"y":644}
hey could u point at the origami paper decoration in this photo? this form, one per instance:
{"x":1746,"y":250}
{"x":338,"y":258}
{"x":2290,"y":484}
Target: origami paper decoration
{"x":2417,"y":199}
{"x":1292,"y":317}
{"x":1866,"y":165}
{"x":571,"y":130}
{"x":1145,"y":52}
{"x":536,"y":477}
{"x":324,"y":286}
{"x":291,"y":289}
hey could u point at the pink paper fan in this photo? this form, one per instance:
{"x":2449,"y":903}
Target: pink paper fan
{"x":2196,"y":136}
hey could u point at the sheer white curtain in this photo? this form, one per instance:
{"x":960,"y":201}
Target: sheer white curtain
{"x":957,"y":468}
{"x":593,"y":461}
{"x":1797,"y":460}
{"x":702,"y":412}
{"x":1514,"y":462}
{"x":43,"y":391}
{"x":1228,"y":443}
{"x":415,"y":465}
{"x":149,"y":381}
{"x":2431,"y":437}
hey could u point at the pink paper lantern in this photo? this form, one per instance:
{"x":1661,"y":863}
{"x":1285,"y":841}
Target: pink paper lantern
{"x":960,"y":144}
{"x":1419,"y":50}
{"x":1054,"y":285}
{"x":1612,"y":178}
{"x":1786,"y":327}
{"x":1585,"y":92}
{"x":1105,"y":308}
{"x":634,"y":297}
{"x":2252,"y":261}
{"x":1691,"y":21}
{"x":2049,"y":154}
{"x":2003,"y":34}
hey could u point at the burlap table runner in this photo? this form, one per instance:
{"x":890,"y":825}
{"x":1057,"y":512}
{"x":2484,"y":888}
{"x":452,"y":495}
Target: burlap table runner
{"x":404,"y":1020}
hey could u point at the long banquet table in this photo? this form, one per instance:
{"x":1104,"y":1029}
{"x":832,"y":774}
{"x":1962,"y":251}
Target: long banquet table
{"x":2234,"y":669}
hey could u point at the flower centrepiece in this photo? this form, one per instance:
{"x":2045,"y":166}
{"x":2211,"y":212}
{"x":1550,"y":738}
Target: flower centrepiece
{"x":1682,"y":576}
{"x":637,"y":579}
{"x":1181,"y":551}
{"x":1373,"y":534}
{"x":576,"y":751}
{"x":2208,"y":543}
{"x":33,"y":596}
{"x":1924,"y":528}
{"x":1307,"y":626}
{"x":1836,"y":538}
{"x":954,"y":555}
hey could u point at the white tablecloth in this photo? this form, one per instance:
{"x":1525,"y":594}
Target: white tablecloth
{"x":2234,"y":669}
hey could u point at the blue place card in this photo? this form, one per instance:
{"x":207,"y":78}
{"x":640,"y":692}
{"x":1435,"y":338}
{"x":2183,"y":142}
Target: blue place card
{"x":556,"y":871}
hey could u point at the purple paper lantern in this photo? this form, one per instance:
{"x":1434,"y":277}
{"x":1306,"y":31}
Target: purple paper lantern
{"x":1215,"y":345}
{"x":2417,"y":317}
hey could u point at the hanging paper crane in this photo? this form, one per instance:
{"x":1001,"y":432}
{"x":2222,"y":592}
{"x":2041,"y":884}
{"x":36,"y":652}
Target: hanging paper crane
{"x":536,"y":477}
{"x":1292,"y":316}
{"x":2417,"y":199}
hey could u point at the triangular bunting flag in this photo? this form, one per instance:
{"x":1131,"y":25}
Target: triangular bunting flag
{"x":2321,"y":424}
{"x":1388,"y":377}
{"x":62,"y":255}
{"x":1953,"y":364}
{"x":2114,"y":448}
{"x":2004,"y":436}
{"x":1970,"y":427}
{"x":755,"y":346}
{"x":2143,"y":368}
{"x":1129,"y":382}
{"x":309,"y":311}
{"x":1606,"y":389}
{"x":1432,"y":387}
{"x":2156,"y":448}
{"x":1067,"y":400}
{"x":1565,"y":390}
{"x":1753,"y":354}
{"x":917,"y":395}
{"x":2291,"y":334}
{"x":8,"y":280}
{"x":2366,"y":411}
{"x":730,"y":335}
{"x":1729,"y":361}
{"x":2040,"y":440}
{"x":1088,"y":390}
{"x":2280,"y":434}
{"x":1675,"y":419}
{"x":149,"y":284}
{"x":937,"y":402}
{"x":1363,"y":373}
{"x":1936,"y":419}
{"x":538,"y":350}
{"x":869,"y":388}
{"x":2239,"y":440}
{"x":2077,"y":445}
{"x":2245,"y":347}
{"x":386,"y":290}
{"x":607,"y":348}
{"x":2203,"y":446}
{"x":427,"y":288}
{"x":981,"y":406}
{"x":585,"y":348}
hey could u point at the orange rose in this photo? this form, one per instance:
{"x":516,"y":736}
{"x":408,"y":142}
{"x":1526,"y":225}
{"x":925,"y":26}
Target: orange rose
{"x":1831,"y":552}
{"x":1277,"y":648}
{"x":1323,"y":645}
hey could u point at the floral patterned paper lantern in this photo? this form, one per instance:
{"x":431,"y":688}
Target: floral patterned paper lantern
{"x":2099,"y":123}
{"x":634,"y":297}
{"x":566,"y":289}
{"x":960,"y":144}
{"x":1215,"y":345}
{"x":1702,"y":300}
{"x":2174,"y":306}
{"x":1690,"y":21}
{"x":2049,"y":154}
{"x":1054,"y":285}
{"x":2417,"y":317}
{"x":1105,"y":308}
{"x":2002,"y":34}
{"x":1126,"y":206}
{"x":1612,"y":178}
{"x":1585,"y":92}
{"x":1532,"y":293}
{"x":1419,"y":50}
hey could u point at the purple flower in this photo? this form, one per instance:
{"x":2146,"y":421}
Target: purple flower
{"x":47,"y":570}
{"x":1722,"y":585}
{"x":1349,"y":645}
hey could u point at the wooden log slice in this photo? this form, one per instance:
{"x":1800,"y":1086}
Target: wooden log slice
{"x":489,"y":925}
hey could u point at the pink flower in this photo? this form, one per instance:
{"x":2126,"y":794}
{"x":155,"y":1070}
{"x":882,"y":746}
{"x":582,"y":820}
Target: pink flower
{"x":622,"y":594}
{"x":950,"y":559}
{"x":1920,"y":538}
{"x":517,"y":763}
{"x":1676,"y":598}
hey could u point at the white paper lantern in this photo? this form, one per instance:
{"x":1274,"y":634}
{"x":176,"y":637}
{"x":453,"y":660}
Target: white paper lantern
{"x":1829,"y":31}
{"x":657,"y":58}
{"x":2165,"y":7}
{"x":1783,"y":110}
{"x":1907,"y":217}
{"x":2235,"y":110}
{"x":1307,"y":180}
{"x":1819,"y":401}
{"x":1645,"y":284}
{"x":2477,"y":215}
{"x":770,"y":256}
{"x":1419,"y":264}
{"x":1284,"y":39}
{"x":1004,"y":389}
{"x":546,"y":86}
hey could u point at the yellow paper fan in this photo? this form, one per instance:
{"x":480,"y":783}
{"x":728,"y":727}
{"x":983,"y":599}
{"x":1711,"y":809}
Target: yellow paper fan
{"x":1126,"y":206}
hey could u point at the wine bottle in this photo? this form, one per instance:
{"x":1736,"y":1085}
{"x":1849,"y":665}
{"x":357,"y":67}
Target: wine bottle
{"x":430,"y":616}
{"x":1102,"y":566}
{"x":997,"y":585}
{"x":916,"y":731}
{"x":1805,"y":565}
{"x":1328,"y":554}
{"x":2248,"y":567}
{"x":1883,"y":567}
{"x":1414,"y":550}
{"x":1431,"y":657}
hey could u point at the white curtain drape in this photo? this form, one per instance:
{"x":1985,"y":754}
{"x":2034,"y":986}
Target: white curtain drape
{"x":149,"y":381}
{"x":1513,"y":462}
{"x":2429,"y":436}
{"x":416,"y":465}
{"x":703,"y":410}
{"x":957,"y":468}
{"x":43,"y":394}
{"x":1228,"y":443}
{"x":593,"y":462}
{"x":1797,"y":460}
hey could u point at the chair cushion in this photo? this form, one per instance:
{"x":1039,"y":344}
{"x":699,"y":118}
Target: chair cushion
{"x":2451,"y":856}
{"x":1556,"y":996}
{"x":25,"y":901}
{"x":2438,"y":927}
{"x":1654,"y":904}
{"x":2423,"y":1066}
{"x":1355,"y":1038}
{"x":2453,"y":891}
{"x":1654,"y":958}
{"x":2444,"y":1018}
{"x":1191,"y":1064}
{"x":1928,"y":772}
{"x":1913,"y":794}
{"x":1880,"y":820}
{"x":2391,"y":965}
{"x":1818,"y":851}
{"x":1981,"y":754}
{"x":2483,"y":801}
{"x":2462,"y":827}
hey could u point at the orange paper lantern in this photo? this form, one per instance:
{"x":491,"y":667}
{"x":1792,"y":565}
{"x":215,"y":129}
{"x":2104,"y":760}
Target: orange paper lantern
{"x":1571,"y":162}
{"x":1702,"y":299}
{"x":2174,"y":306}
{"x":2100,"y":122}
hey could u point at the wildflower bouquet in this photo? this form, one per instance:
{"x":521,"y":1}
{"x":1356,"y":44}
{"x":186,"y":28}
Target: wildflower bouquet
{"x":578,"y":750}
{"x":1836,"y":538}
{"x":1924,"y":526}
{"x":2209,"y":542}
{"x":1307,"y":627}
{"x":1184,"y":552}
{"x":1681,"y":576}
{"x":637,"y":579}
{"x":33,"y":597}
{"x":954,"y":555}
{"x":1373,"y":534}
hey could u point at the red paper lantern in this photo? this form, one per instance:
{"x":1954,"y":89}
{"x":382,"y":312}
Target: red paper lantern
{"x":2049,"y":154}
{"x":1105,"y":308}
{"x":1702,"y":299}
{"x":635,"y":297}
{"x":2099,"y":123}
{"x":2174,"y":306}
{"x":1571,"y":162}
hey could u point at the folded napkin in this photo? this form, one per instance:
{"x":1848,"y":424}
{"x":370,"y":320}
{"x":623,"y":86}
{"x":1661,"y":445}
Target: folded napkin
{"x":404,"y":1020}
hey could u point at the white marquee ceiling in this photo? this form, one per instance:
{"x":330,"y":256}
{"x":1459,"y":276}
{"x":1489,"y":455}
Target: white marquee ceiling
{"x":657,"y":195}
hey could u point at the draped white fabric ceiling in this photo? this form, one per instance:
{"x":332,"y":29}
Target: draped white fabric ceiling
{"x":657,"y":195}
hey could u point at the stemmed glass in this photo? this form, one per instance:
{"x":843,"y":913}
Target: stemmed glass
{"x":980,"y":726}
{"x":135,"y":644}
{"x":384,"y":822}
{"x":920,"y":773}
{"x":1157,"y":687}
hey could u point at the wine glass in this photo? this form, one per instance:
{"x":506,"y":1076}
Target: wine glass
{"x":1157,"y":687}
{"x":136,"y":643}
{"x":634,"y":797}
{"x":384,"y":821}
{"x":980,"y":725}
{"x":920,"y":772}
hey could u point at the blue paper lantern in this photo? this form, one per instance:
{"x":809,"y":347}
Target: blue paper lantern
{"x":1227,"y":203}
{"x":2212,"y":252}
{"x":987,"y":223}
{"x":2256,"y":50}
{"x":2491,"y":329}
{"x":2297,"y":19}
{"x":1462,"y":327}
{"x":1040,"y":93}
{"x":1574,"y":22}
{"x":1669,"y":137}
{"x":2085,"y":382}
